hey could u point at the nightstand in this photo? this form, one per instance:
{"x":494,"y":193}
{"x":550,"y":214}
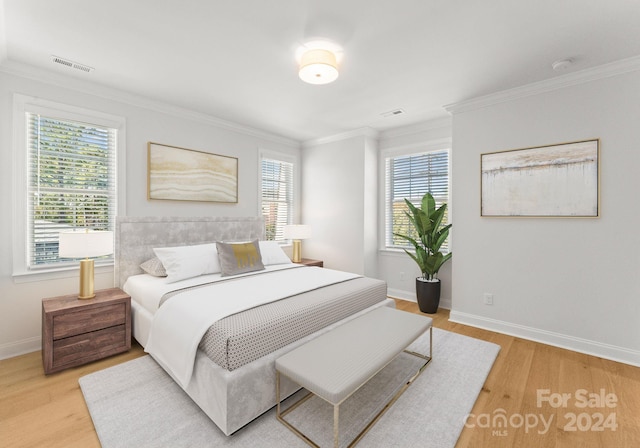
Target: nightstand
{"x":310,"y":262}
{"x":76,"y":331}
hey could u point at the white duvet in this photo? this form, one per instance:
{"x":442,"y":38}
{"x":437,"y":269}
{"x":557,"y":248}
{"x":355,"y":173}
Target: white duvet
{"x":181,"y":322}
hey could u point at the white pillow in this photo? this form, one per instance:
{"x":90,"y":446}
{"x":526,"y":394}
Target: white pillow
{"x":183,"y":262}
{"x":272,"y":253}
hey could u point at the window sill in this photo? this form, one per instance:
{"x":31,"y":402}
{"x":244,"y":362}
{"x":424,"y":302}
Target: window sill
{"x":398,"y":252}
{"x":392,"y":252}
{"x":57,"y":273}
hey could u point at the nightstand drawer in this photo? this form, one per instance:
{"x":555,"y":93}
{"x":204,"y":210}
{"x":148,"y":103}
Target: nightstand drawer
{"x":84,"y":321}
{"x":77,"y":331}
{"x":90,"y":346}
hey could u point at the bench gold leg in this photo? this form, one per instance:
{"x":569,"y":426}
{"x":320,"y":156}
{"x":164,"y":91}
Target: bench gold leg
{"x":280,"y":414}
{"x":336,"y":411}
{"x":336,"y":425}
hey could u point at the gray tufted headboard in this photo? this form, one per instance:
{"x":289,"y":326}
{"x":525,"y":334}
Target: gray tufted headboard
{"x":136,"y":237}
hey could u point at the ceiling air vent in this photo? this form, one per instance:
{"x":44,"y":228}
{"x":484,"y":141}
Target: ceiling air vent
{"x":71,"y":64}
{"x":392,"y":113}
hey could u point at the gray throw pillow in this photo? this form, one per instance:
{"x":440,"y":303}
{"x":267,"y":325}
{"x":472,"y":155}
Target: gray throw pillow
{"x":238,"y":258}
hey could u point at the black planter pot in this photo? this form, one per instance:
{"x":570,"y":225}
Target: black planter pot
{"x":428,"y":295}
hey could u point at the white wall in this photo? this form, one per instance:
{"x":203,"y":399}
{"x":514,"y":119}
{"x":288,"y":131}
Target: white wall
{"x":339,"y":190}
{"x":343,"y":199}
{"x":568,"y":282}
{"x":20,"y":303}
{"x":395,"y":267}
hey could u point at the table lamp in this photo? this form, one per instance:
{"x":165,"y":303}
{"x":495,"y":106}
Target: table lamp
{"x":84,"y":244}
{"x":297,"y":232}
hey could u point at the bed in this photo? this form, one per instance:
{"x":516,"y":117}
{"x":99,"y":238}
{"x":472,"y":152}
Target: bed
{"x":232,"y":373}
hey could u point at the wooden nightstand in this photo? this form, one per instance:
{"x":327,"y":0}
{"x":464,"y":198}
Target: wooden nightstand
{"x":76,"y":331}
{"x":310,"y":262}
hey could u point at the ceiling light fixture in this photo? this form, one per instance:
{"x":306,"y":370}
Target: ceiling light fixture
{"x":318,"y":66}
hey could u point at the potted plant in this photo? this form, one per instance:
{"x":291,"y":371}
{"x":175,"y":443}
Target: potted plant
{"x":427,"y":239}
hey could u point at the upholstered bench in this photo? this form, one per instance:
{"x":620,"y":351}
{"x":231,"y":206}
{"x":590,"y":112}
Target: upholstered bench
{"x":336,"y":364}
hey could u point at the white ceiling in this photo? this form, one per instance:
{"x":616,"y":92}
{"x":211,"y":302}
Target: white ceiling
{"x":235,"y":59}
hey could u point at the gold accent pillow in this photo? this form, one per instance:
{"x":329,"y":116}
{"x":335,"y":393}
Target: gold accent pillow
{"x":238,"y":258}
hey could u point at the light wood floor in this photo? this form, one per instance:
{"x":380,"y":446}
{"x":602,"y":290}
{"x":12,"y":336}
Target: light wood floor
{"x":49,"y":411}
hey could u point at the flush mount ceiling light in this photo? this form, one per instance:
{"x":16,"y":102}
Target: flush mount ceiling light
{"x":318,"y":66}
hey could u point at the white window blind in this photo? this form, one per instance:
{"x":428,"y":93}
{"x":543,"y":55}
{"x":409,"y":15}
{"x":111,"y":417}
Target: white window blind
{"x":410,"y":177}
{"x":277,"y":197}
{"x":71,"y":176}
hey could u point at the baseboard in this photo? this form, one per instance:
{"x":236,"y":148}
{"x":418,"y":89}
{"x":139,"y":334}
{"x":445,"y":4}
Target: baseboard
{"x":411,"y":297}
{"x":586,"y":346}
{"x":400,"y":294}
{"x":18,"y":348}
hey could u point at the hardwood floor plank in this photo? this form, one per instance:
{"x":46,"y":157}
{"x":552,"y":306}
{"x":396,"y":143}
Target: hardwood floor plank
{"x":560,"y":371}
{"x":574,"y":375}
{"x":38,"y":410}
{"x":623,"y":383}
{"x":543,"y":376}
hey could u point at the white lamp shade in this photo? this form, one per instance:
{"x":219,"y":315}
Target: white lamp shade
{"x":297,"y":231}
{"x":318,"y":66}
{"x":85,"y":244}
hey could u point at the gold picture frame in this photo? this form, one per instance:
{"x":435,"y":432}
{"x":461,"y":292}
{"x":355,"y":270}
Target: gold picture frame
{"x":561,"y":180}
{"x":181,"y":174}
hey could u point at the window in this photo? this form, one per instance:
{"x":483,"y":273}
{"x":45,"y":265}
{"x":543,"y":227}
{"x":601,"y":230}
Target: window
{"x":71,"y":182}
{"x":411,"y":176}
{"x":277,"y":196}
{"x":65,"y":179}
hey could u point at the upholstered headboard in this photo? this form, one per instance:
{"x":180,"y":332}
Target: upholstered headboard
{"x":137,"y":236}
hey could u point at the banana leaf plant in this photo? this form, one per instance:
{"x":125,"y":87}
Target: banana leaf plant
{"x":431,"y":234}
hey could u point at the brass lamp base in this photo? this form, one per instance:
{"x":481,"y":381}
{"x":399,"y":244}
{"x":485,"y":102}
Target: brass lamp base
{"x":86,"y":280}
{"x":297,"y":251}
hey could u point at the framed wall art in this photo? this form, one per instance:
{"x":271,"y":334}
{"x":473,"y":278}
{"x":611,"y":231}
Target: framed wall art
{"x":547,"y":181}
{"x":181,"y":174}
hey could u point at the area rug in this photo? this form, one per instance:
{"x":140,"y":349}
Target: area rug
{"x":136,"y":404}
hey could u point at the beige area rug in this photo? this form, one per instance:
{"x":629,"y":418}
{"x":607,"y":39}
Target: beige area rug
{"x":136,"y":404}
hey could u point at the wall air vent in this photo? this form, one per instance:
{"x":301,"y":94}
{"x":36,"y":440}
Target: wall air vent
{"x":71,"y":64}
{"x":392,"y":113}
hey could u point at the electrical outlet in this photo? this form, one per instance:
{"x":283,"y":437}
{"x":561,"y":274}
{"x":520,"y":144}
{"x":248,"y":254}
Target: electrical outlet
{"x":401,"y":275}
{"x":488,"y":298}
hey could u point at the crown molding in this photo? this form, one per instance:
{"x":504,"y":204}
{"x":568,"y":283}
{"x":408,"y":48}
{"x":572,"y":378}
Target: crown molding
{"x":428,"y":145}
{"x":416,"y":128}
{"x":571,"y":79}
{"x":91,"y":88}
{"x":368,"y":132}
{"x":361,"y":132}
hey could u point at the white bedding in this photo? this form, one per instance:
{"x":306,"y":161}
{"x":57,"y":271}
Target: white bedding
{"x":148,"y":290}
{"x":180,"y":323}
